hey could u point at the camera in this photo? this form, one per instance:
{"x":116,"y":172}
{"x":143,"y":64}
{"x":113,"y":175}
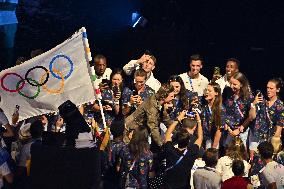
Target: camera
{"x":190,"y":114}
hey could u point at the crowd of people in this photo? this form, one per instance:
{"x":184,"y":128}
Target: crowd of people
{"x":188,"y":132}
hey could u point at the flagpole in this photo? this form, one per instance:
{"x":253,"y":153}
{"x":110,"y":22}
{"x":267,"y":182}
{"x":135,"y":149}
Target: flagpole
{"x":96,"y":88}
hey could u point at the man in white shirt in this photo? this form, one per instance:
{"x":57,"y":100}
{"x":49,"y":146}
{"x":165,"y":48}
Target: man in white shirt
{"x":100,"y":70}
{"x":193,"y":80}
{"x":231,"y":68}
{"x":147,"y":62}
{"x":208,"y":177}
{"x":273,"y":172}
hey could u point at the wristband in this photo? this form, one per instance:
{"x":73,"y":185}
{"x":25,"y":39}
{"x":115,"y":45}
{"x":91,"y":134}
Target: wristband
{"x":198,"y":121}
{"x":252,"y":105}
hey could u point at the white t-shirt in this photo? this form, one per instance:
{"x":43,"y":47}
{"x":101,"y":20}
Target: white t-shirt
{"x":4,"y":170}
{"x":196,"y":85}
{"x":273,"y":172}
{"x":224,"y":167}
{"x":98,"y":79}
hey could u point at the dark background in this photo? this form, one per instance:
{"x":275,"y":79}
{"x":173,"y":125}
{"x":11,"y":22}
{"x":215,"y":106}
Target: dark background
{"x":251,"y":31}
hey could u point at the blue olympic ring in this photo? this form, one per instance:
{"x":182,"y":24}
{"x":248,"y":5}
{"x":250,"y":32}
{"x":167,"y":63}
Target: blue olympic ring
{"x":61,"y":56}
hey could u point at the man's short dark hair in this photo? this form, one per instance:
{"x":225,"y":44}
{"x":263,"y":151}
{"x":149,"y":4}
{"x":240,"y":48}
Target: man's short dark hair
{"x":98,"y":57}
{"x":182,"y":138}
{"x":117,"y":128}
{"x":238,"y":167}
{"x":36,"y":129}
{"x":189,"y":123}
{"x":211,"y":157}
{"x":141,"y":73}
{"x":234,"y":60}
{"x":196,"y":57}
{"x":265,"y":150}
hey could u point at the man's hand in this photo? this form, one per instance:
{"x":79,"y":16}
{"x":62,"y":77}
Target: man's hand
{"x":103,"y":86}
{"x":139,"y":100}
{"x":133,"y":99}
{"x":143,"y":58}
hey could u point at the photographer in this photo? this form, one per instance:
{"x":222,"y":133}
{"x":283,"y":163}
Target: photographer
{"x":111,"y":96}
{"x":180,"y":160}
{"x":182,"y":96}
{"x":268,"y":115}
{"x":131,"y":99}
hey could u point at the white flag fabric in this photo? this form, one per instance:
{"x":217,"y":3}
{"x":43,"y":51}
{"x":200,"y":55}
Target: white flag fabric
{"x":43,"y":83}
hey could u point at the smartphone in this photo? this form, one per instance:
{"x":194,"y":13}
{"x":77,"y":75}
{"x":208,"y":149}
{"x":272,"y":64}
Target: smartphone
{"x":259,"y":93}
{"x":115,"y":90}
{"x":105,"y":82}
{"x":190,"y":114}
{"x":134,"y":92}
{"x":217,"y":71}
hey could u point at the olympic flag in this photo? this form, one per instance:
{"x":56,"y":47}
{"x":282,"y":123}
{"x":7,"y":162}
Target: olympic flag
{"x":43,"y":83}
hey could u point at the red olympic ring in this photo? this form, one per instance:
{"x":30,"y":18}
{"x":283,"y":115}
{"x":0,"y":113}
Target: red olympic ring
{"x":11,"y":90}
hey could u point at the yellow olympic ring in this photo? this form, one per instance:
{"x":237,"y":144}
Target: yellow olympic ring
{"x":53,"y":91}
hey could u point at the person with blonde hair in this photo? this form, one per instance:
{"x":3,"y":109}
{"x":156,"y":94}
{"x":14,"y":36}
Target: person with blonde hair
{"x":236,"y":150}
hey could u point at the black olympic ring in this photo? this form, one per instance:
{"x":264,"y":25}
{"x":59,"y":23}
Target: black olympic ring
{"x":39,"y":84}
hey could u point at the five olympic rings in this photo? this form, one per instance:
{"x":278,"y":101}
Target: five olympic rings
{"x":43,"y":79}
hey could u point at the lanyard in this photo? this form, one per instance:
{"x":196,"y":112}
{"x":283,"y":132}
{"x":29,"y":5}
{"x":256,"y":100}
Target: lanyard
{"x":191,"y":84}
{"x":238,"y":107}
{"x":178,"y":161}
{"x":268,"y":116}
